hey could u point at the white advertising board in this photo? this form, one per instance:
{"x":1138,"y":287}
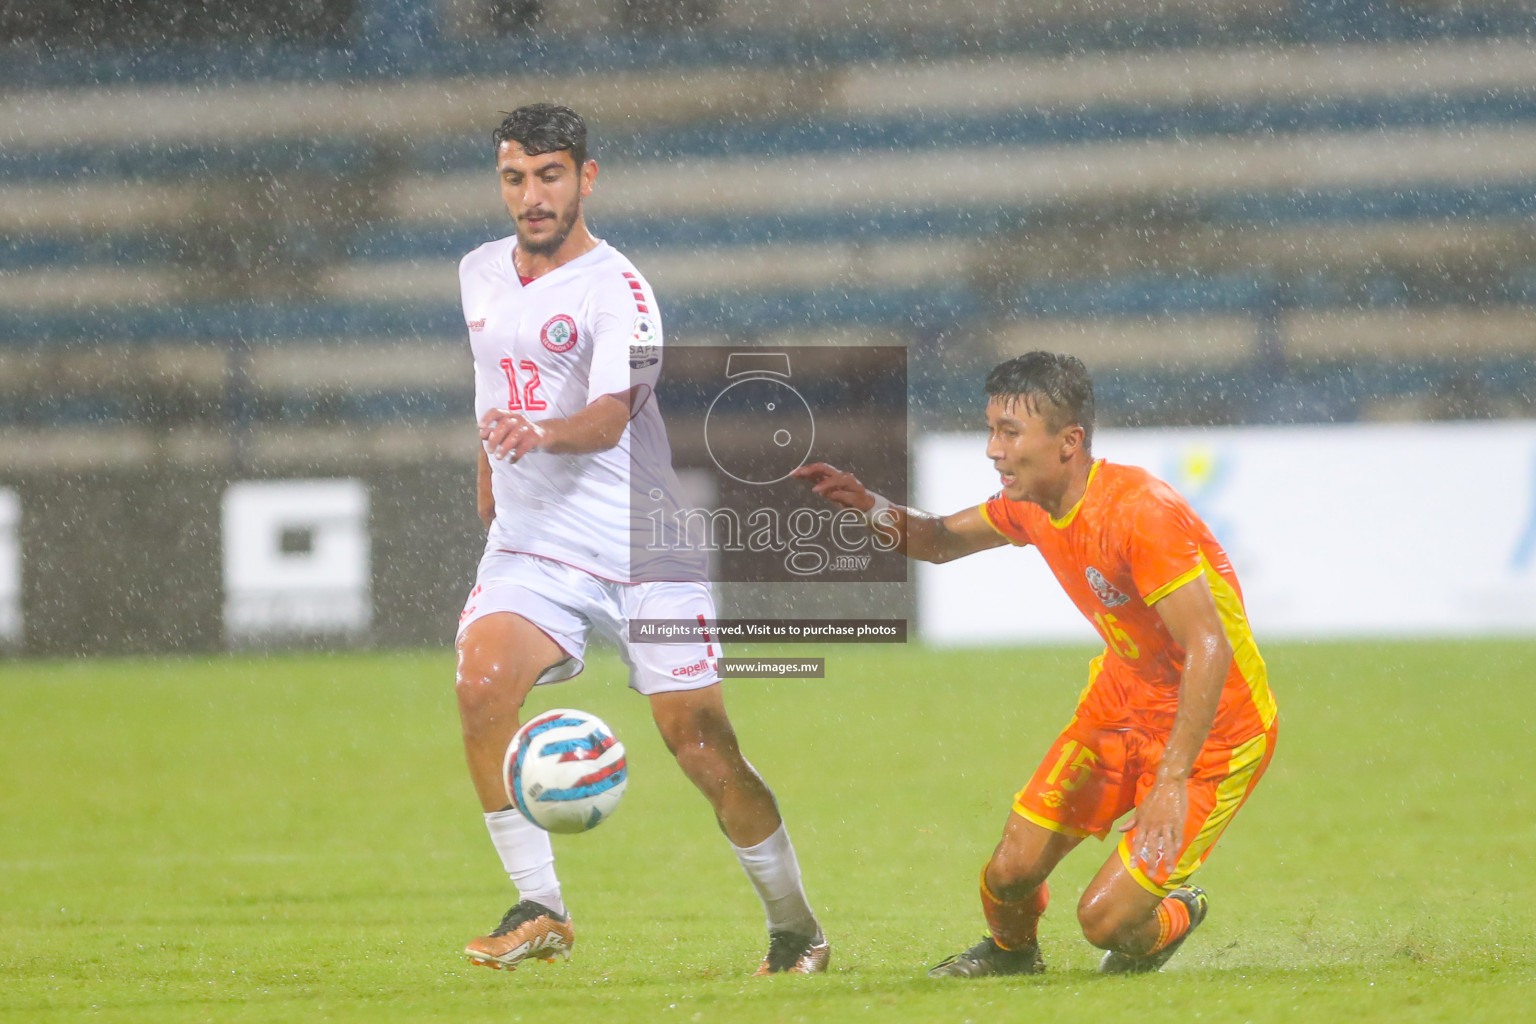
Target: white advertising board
{"x":296,"y":559}
{"x":10,"y":566}
{"x":1351,"y":530}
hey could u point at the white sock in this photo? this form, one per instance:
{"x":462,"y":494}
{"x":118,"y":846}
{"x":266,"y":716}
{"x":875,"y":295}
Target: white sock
{"x":528,"y":856}
{"x":775,"y":874}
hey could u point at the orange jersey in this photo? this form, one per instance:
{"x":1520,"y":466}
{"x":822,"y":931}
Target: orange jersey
{"x":1129,"y":542}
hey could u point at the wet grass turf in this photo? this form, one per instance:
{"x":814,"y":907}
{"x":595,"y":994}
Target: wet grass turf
{"x":294,"y":839}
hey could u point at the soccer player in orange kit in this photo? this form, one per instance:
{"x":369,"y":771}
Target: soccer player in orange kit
{"x":1177,"y":722}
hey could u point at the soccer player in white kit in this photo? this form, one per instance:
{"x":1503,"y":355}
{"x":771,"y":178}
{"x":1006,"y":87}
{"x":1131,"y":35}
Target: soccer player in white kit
{"x":567,"y":341}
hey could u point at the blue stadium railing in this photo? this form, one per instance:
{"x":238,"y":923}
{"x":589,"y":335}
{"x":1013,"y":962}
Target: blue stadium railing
{"x":388,"y":52}
{"x":919,"y":309}
{"x":792,"y":138}
{"x":1257,"y":391}
{"x":394,"y":240}
{"x":942,"y":394}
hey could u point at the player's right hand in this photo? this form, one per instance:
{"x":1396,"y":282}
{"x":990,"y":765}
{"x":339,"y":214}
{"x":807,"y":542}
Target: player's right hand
{"x":840,"y":488}
{"x":510,"y":435}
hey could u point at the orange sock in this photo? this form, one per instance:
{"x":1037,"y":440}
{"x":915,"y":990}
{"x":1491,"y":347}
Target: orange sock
{"x":1014,"y":923}
{"x":1172,"y":923}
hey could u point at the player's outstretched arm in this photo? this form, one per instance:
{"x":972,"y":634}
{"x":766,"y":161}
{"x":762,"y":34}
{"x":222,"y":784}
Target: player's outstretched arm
{"x":915,"y":533}
{"x":598,"y":427}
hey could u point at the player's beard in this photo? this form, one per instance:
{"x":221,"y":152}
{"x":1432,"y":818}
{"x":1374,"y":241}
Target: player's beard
{"x":550,"y":244}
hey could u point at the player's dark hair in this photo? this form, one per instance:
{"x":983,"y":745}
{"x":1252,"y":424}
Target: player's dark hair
{"x":1056,"y":386}
{"x":545,"y":128}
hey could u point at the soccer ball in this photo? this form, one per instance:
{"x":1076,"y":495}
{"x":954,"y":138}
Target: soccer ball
{"x":565,"y":771}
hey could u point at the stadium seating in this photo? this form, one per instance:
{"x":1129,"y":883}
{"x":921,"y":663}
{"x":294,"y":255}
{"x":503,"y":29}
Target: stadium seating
{"x":1239,"y":212}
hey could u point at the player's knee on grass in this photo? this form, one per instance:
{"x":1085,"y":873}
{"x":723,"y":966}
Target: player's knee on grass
{"x":1109,"y":924}
{"x":1011,"y":880}
{"x":1012,"y":873}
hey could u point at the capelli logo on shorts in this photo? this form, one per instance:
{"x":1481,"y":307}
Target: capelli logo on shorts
{"x":689,"y":671}
{"x":477,"y":325}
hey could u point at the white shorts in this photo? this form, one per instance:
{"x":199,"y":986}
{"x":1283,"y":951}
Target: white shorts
{"x":566,"y":602}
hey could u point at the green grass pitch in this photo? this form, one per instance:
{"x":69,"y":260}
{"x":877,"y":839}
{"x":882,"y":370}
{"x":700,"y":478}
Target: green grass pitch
{"x":294,"y":839}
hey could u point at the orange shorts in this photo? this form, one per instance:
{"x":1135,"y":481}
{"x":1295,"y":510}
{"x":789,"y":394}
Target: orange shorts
{"x":1093,"y":775}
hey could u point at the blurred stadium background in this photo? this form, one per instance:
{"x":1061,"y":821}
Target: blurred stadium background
{"x":230,"y":232}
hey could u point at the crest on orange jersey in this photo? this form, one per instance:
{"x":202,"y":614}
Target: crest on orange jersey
{"x":1107,"y":592}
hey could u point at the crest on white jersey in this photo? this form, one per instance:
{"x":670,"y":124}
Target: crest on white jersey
{"x":558,"y":333}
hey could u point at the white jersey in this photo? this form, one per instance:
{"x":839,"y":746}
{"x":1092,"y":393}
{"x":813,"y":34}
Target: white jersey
{"x":548,"y":349}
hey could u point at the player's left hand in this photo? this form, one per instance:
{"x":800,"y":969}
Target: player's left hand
{"x":510,"y":435}
{"x":1159,"y":826}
